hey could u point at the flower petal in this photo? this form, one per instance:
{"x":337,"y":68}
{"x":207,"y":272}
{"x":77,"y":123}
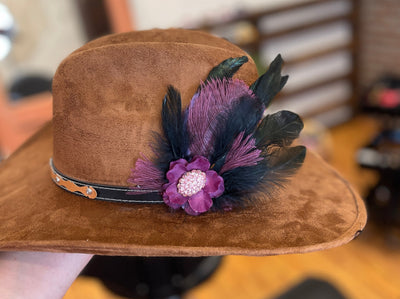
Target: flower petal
{"x":199,"y":162}
{"x":200,"y":202}
{"x":172,"y":198}
{"x":172,"y":205}
{"x":179,"y":161}
{"x":175,"y":172}
{"x":214,"y":184}
{"x":189,"y":210}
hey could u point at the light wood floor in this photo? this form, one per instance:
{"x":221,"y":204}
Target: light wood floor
{"x":366,"y":268}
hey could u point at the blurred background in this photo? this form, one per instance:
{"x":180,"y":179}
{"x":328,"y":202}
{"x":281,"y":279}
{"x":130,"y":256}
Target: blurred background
{"x":343,"y":60}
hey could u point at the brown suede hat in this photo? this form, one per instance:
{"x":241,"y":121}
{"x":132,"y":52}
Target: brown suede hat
{"x":108,"y":97}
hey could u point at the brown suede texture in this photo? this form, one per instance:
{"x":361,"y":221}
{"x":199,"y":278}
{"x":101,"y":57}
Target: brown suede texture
{"x":107,"y":101}
{"x":108,"y":96}
{"x":317,"y":210}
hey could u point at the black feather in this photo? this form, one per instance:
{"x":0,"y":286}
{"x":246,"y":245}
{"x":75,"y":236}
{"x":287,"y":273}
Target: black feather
{"x":283,"y":82}
{"x":280,"y":128}
{"x":227,"y":68}
{"x":269,"y":84}
{"x":173,"y":124}
{"x":243,"y":184}
{"x":239,"y":182}
{"x":282,"y":162}
{"x":244,"y":117}
{"x":162,"y":151}
{"x":273,"y":170}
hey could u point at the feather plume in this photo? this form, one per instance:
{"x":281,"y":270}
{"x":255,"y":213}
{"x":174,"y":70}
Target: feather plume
{"x":280,"y":129}
{"x":239,"y":184}
{"x":243,"y":117}
{"x":162,"y":152}
{"x":243,"y":152}
{"x":223,"y":124}
{"x":150,"y":174}
{"x":281,"y":163}
{"x":227,"y":68}
{"x":146,"y":176}
{"x":242,"y":184}
{"x":269,"y":84}
{"x":206,"y":110}
{"x":173,"y":123}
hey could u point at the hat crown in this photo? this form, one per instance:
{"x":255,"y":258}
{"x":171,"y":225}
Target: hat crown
{"x":108,"y":95}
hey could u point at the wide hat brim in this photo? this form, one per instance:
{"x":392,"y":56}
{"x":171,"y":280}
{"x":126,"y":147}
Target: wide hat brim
{"x":317,"y":210}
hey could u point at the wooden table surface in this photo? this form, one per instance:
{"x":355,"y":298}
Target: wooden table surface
{"x":366,"y":268}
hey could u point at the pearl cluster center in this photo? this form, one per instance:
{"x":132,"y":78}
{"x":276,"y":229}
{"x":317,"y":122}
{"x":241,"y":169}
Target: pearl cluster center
{"x":191,"y":182}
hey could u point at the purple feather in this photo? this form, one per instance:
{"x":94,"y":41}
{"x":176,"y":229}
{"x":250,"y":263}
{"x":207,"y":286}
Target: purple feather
{"x":242,"y":153}
{"x":146,"y":176}
{"x":206,"y":109}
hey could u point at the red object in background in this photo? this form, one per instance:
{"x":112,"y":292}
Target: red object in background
{"x":390,"y":98}
{"x":119,"y":14}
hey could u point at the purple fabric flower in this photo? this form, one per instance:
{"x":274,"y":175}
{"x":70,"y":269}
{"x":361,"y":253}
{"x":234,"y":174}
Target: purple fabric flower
{"x":192,"y":185}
